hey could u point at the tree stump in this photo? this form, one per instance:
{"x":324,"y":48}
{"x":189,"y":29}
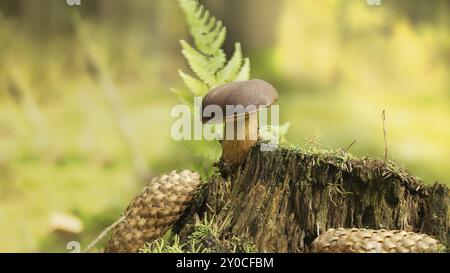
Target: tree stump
{"x":282,"y":200}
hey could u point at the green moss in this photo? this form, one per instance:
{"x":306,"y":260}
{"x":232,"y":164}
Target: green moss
{"x":205,"y":237}
{"x":164,"y":245}
{"x":241,"y":245}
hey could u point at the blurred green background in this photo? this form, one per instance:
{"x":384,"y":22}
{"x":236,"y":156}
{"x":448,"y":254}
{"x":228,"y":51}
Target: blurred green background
{"x":71,"y":140}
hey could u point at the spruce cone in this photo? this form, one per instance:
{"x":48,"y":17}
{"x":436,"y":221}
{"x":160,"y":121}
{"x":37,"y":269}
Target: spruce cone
{"x":153,"y":211}
{"x":374,"y":241}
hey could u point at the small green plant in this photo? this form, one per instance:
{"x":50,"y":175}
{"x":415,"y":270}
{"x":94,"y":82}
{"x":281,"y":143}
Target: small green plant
{"x":205,"y":234}
{"x":206,"y":237}
{"x":164,"y":245}
{"x":240,"y":245}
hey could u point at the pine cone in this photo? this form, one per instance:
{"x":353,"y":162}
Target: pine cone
{"x":153,"y":211}
{"x":374,"y":241}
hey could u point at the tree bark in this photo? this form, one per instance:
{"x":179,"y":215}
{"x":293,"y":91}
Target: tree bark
{"x":281,"y":200}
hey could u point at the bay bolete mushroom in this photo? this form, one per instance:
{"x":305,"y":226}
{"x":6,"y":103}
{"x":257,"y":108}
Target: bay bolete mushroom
{"x":238,"y":104}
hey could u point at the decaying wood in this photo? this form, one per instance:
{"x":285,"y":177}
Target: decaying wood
{"x":282,"y":200}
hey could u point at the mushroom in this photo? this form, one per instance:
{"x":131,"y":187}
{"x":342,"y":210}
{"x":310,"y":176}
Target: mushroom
{"x":239,"y":103}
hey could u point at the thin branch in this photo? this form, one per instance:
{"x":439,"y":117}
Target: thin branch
{"x":103,"y":234}
{"x":349,"y":146}
{"x":383,"y":117}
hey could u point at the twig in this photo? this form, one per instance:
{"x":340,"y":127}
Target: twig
{"x":349,"y":146}
{"x":103,"y":234}
{"x":383,"y":117}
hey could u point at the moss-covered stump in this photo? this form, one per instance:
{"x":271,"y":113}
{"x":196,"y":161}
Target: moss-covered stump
{"x":281,"y":200}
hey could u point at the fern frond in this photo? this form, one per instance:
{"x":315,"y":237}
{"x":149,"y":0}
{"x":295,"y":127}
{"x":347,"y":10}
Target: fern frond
{"x":207,"y":59}
{"x":244,"y":73}
{"x":198,"y":63}
{"x":207,"y":31}
{"x":230,"y":71}
{"x":216,"y":62}
{"x":185,"y":97}
{"x":219,"y":39}
{"x":197,"y":87}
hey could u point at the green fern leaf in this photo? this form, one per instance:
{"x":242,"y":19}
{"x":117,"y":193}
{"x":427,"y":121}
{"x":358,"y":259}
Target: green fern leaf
{"x":217,"y":62}
{"x":198,"y":63}
{"x":197,"y":87}
{"x":244,"y":73}
{"x":219,"y":34}
{"x":184,"y":96}
{"x":213,"y":24}
{"x":208,"y":33}
{"x":230,"y":71}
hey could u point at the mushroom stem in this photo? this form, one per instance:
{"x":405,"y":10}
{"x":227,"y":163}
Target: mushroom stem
{"x":236,"y":147}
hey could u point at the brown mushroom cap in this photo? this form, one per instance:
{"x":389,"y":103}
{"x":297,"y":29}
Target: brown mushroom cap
{"x":252,"y":92}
